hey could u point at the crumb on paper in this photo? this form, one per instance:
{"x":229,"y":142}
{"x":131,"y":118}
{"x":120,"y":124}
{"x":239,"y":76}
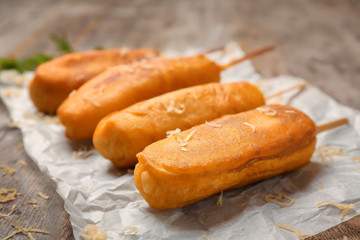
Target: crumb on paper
{"x":25,"y":231}
{"x":212,"y":124}
{"x":207,"y":238}
{"x":7,"y":170}
{"x":22,"y":163}
{"x":8,"y":214}
{"x":327,"y":153}
{"x":321,"y":186}
{"x":41,"y":117}
{"x":280,"y":199}
{"x":301,"y":235}
{"x":7,"y":195}
{"x":93,"y":233}
{"x":220,"y":200}
{"x":345,"y":208}
{"x":43,"y":196}
{"x":83,"y":152}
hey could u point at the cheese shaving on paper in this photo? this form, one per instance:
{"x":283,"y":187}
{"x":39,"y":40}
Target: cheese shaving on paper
{"x":22,"y":163}
{"x":250,"y":125}
{"x":43,"y":196}
{"x":280,"y":199}
{"x":8,"y":214}
{"x":92,"y":233}
{"x":220,"y":200}
{"x":83,"y":152}
{"x":301,"y":235}
{"x":344,"y":207}
{"x":327,"y":153}
{"x":33,"y":202}
{"x":267,"y":111}
{"x":19,"y":124}
{"x":42,"y":117}
{"x":212,"y":124}
{"x":24,"y":231}
{"x":130,"y":231}
{"x":7,"y":170}
{"x":11,"y":93}
{"x":172,"y":109}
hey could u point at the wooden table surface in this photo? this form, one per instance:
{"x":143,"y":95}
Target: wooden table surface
{"x":316,"y":40}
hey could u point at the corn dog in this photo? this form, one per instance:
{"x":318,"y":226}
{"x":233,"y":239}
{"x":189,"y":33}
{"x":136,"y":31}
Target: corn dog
{"x":204,"y":160}
{"x":54,"y":80}
{"x":121,"y":135}
{"x":122,"y":86}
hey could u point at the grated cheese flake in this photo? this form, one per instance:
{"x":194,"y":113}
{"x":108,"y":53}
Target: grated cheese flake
{"x":290,"y":111}
{"x":24,"y":231}
{"x":7,"y":195}
{"x":280,"y":199}
{"x":220,"y":200}
{"x":292,"y":185}
{"x":267,"y":111}
{"x":301,"y":235}
{"x":83,"y":152}
{"x":250,"y":125}
{"x":327,"y":153}
{"x":190,"y":135}
{"x":22,"y":163}
{"x":11,"y":93}
{"x":41,"y":117}
{"x":43,"y":196}
{"x":184,"y":143}
{"x":92,"y":233}
{"x":33,"y":202}
{"x":19,"y":124}
{"x":184,"y":149}
{"x":7,"y":170}
{"x":8,"y":214}
{"x":171,"y":133}
{"x":212,"y":124}
{"x":344,"y":207}
{"x":172,"y":109}
{"x":129,"y":231}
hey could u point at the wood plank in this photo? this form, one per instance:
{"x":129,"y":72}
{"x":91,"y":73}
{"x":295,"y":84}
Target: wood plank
{"x":29,"y":180}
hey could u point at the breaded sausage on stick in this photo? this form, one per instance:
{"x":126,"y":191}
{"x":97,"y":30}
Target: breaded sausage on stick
{"x":122,"y":86}
{"x":235,"y":151}
{"x":55,"y":79}
{"x":121,"y":135}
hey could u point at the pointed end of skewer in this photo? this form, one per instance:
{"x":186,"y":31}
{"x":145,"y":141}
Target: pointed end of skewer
{"x":249,"y":55}
{"x":332,"y":124}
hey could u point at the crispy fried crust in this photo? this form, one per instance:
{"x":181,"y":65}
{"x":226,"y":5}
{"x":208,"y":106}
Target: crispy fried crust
{"x":121,"y":135}
{"x":230,"y":156}
{"x":54,"y":80}
{"x":122,"y":86}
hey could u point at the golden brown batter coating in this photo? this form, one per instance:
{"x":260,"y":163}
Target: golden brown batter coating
{"x":121,"y":86}
{"x":248,"y":147}
{"x":55,"y":79}
{"x":121,"y":135}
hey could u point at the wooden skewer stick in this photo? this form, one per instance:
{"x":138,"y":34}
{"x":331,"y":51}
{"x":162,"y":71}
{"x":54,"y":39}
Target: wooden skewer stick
{"x":297,"y":86}
{"x":248,"y":55}
{"x":332,"y":124}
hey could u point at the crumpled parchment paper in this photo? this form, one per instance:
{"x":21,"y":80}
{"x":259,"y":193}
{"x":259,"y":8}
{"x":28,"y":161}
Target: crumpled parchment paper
{"x":96,"y":193}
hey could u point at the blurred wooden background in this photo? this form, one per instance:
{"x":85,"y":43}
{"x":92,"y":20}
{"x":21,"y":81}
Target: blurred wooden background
{"x":318,"y":40}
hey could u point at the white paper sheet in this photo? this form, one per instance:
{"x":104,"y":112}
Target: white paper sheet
{"x":95,"y":193}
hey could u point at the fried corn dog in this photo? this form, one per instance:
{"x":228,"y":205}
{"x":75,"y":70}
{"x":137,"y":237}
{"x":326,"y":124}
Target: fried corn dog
{"x":55,"y":79}
{"x":121,"y":135}
{"x":122,"y":86}
{"x":244,"y":148}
